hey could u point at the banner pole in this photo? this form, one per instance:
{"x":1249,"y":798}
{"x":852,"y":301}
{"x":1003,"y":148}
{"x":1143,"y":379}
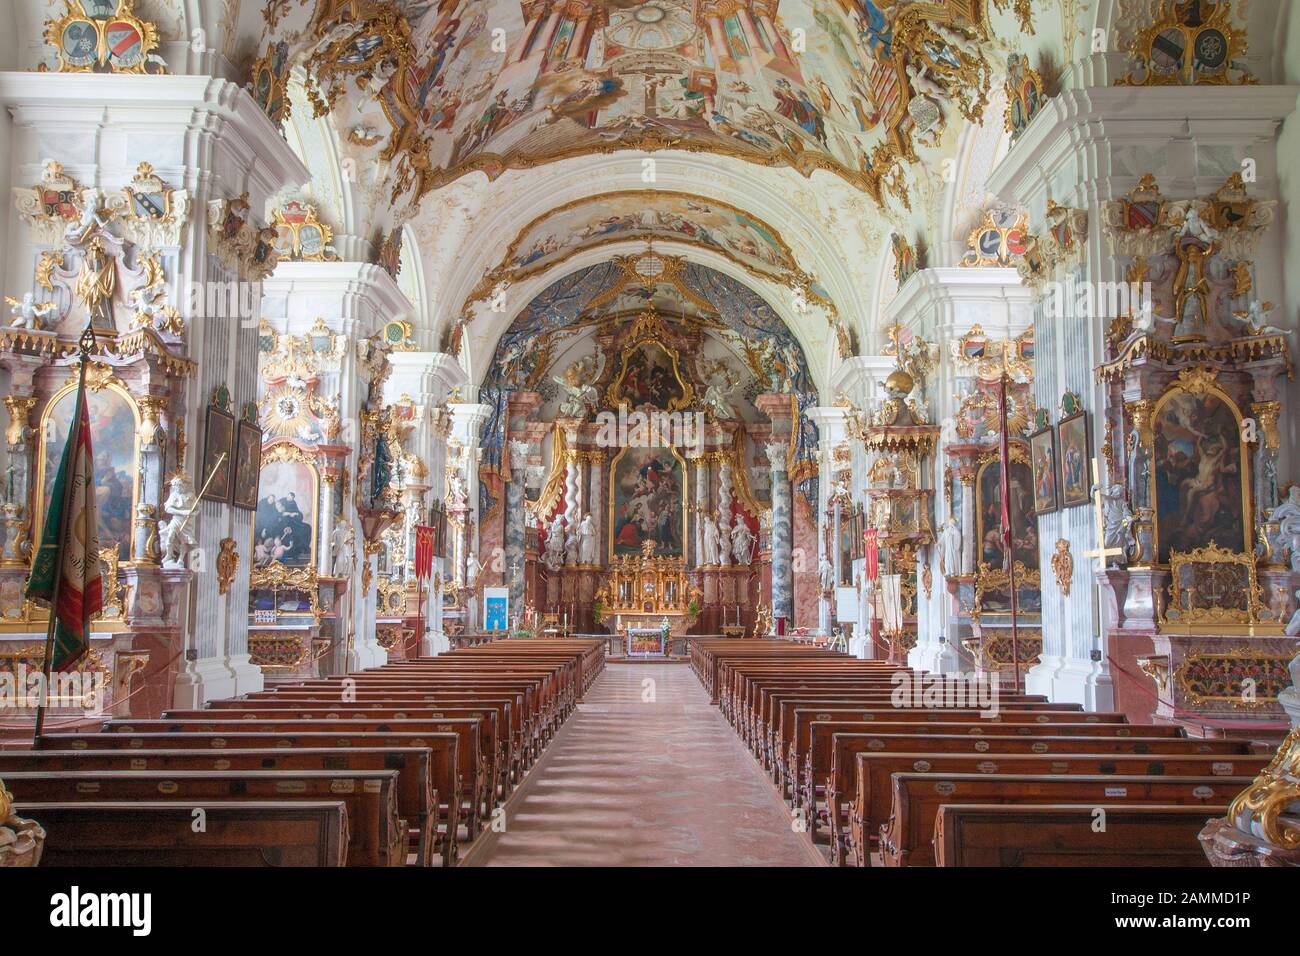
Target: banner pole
{"x":74,"y":440}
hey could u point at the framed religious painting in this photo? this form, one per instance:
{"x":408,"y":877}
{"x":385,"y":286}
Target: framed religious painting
{"x":284,"y":525}
{"x":1042,"y":452}
{"x":217,"y":476}
{"x":647,"y":502}
{"x":649,"y":375}
{"x":114,"y":426}
{"x":1073,"y":450}
{"x":988,"y":518}
{"x":248,"y":465}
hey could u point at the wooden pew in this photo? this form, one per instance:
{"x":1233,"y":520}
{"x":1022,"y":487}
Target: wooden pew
{"x":859,"y":795}
{"x":161,"y":833}
{"x":473,"y":769}
{"x":983,"y":834}
{"x":417,"y":800}
{"x":906,"y":839}
{"x":378,"y":834}
{"x":442,"y":748}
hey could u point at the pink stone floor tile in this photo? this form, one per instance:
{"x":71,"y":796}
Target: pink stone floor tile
{"x":662,"y":781}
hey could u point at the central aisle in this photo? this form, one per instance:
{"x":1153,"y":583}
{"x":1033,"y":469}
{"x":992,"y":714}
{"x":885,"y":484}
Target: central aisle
{"x":646,"y":773}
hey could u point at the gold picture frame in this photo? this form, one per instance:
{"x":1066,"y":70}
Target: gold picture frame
{"x":617,"y":396}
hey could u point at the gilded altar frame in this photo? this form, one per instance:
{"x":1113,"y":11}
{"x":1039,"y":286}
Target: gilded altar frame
{"x":1195,"y":381}
{"x":285,"y":450}
{"x":615,"y":394}
{"x":611,"y":482}
{"x":1183,"y":616}
{"x":95,"y":383}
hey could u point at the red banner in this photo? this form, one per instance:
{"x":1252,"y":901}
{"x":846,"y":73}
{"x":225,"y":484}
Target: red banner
{"x":871,"y":551}
{"x":423,"y":551}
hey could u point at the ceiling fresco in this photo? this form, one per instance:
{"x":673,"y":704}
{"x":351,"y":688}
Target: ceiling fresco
{"x":651,"y":215}
{"x":441,"y":89}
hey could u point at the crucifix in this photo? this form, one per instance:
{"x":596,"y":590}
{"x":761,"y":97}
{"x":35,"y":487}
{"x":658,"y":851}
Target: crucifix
{"x":1101,"y":553}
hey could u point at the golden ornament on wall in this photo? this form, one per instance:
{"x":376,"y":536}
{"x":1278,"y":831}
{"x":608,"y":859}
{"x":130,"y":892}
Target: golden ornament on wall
{"x":227,"y":564}
{"x":1063,"y":565}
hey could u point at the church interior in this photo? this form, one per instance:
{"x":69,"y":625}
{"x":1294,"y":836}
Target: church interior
{"x":820,"y":433}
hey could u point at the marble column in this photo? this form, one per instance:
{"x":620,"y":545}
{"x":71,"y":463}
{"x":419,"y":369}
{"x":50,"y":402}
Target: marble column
{"x":782,"y":536}
{"x":596,"y":501}
{"x":969,"y":545}
{"x":514,"y":527}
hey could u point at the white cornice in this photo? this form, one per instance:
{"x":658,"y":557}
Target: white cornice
{"x":1080,"y":120}
{"x":364,"y":295}
{"x":933,"y":294}
{"x":95,"y":104}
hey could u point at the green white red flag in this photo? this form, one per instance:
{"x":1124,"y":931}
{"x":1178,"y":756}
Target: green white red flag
{"x":69,"y":541}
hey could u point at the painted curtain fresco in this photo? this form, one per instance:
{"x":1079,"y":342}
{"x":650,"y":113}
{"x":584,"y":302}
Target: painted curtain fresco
{"x":646,"y":502}
{"x":1198,"y":475}
{"x":286,"y":514}
{"x":1024,"y":523}
{"x":113,"y":441}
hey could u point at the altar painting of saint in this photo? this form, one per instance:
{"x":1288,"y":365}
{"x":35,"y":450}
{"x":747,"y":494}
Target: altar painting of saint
{"x":647,"y":503}
{"x":1198,"y":475}
{"x":649,"y":377}
{"x":1024,"y":523}
{"x":113,"y":442}
{"x":286,"y":514}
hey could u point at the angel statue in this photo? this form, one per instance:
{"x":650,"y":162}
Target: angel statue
{"x":1256,"y":319}
{"x":1117,"y":521}
{"x":28,"y":313}
{"x":1198,"y":228}
{"x":715,"y":401}
{"x":175,"y":537}
{"x":581,"y":395}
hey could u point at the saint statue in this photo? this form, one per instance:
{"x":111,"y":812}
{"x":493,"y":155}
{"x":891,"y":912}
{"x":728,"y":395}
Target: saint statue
{"x":710,"y":540}
{"x":826,"y":571}
{"x":950,"y":544}
{"x":587,"y":541}
{"x":742,"y":542}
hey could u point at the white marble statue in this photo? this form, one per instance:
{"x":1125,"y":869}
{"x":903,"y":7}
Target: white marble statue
{"x":826,"y":571}
{"x":715,"y":400}
{"x":1198,"y":228}
{"x":472,"y":568}
{"x":742,"y":542}
{"x":587,"y":540}
{"x":175,"y":537}
{"x":28,"y":313}
{"x":950,"y":545}
{"x":572,"y":546}
{"x":343,"y":541}
{"x":1256,"y":319}
{"x":579,"y":395}
{"x":1293,"y":630}
{"x":1287,"y":517}
{"x":710,"y":540}
{"x":1117,"y":522}
{"x":553,"y":558}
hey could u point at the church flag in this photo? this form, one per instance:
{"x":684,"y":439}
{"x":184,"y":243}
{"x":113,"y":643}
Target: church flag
{"x":871,"y":551}
{"x":423,"y":551}
{"x":1004,"y":452}
{"x":65,"y":572}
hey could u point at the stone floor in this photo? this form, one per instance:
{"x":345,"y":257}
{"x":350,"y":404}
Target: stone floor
{"x":646,"y":773}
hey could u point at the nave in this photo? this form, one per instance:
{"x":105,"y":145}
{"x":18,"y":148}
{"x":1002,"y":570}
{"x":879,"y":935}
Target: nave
{"x":631,"y":781}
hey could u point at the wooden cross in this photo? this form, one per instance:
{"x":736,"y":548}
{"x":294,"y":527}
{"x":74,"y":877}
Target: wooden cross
{"x":1101,"y":553}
